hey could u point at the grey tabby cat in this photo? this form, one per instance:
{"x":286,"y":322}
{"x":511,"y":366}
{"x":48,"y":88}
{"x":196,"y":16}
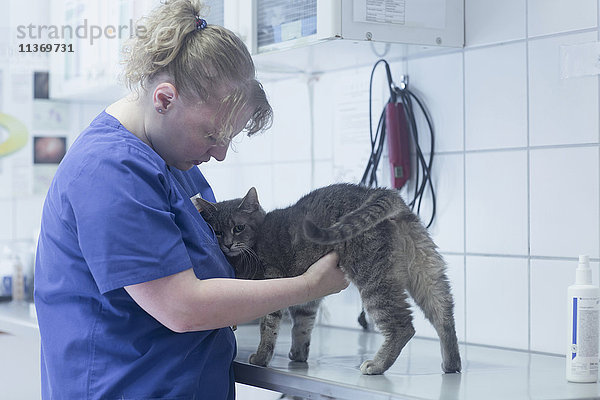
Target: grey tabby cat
{"x":383,"y":248}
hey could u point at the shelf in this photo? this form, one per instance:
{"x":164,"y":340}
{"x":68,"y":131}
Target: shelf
{"x":18,"y":319}
{"x":336,"y":54}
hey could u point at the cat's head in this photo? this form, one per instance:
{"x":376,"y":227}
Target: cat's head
{"x":235,"y":222}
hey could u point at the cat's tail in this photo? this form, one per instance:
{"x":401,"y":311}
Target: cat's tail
{"x":379,"y":206}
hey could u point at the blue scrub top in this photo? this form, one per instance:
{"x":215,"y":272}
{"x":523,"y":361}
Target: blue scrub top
{"x":117,"y":215}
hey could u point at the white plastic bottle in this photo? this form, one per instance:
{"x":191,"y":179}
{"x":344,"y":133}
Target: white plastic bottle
{"x":583,"y":326}
{"x":18,"y":280}
{"x":6,"y":273}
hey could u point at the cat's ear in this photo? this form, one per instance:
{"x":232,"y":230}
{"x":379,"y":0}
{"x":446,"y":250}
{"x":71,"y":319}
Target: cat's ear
{"x":250,"y":202}
{"x":203,"y":205}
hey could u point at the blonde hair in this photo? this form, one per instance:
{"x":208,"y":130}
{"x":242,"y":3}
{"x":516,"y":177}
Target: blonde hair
{"x":203,"y":63}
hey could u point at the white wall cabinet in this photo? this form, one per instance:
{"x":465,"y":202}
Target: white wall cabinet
{"x":281,"y":38}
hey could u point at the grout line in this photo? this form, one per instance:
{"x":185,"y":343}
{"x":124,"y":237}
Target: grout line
{"x":598,"y":83}
{"x":527,"y":38}
{"x":517,"y":256}
{"x":520,"y":148}
{"x":450,"y":50}
{"x":264,"y":163}
{"x":464,"y":161}
{"x":440,"y":153}
{"x":310,"y":85}
{"x":528,"y":177}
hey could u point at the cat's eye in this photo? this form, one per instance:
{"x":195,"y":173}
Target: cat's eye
{"x":238,"y":228}
{"x":218,"y":233}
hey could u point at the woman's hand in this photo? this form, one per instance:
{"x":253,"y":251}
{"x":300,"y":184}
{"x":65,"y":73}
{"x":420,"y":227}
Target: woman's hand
{"x":324,"y":277}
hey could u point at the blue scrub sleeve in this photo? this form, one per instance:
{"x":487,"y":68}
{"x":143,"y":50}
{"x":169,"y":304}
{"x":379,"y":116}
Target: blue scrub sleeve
{"x":127,"y":233}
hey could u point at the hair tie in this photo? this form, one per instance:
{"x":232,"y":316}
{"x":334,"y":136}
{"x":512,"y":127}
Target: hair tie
{"x":200,"y":23}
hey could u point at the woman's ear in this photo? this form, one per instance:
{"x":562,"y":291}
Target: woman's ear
{"x":163,"y":96}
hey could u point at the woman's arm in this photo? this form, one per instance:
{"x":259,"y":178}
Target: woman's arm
{"x":183,"y":303}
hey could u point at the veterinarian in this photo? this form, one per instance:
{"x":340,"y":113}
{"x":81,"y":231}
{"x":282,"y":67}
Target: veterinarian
{"x":133,"y":295}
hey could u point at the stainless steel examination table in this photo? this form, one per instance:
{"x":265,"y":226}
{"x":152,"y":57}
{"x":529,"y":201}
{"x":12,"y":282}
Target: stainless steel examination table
{"x":332,"y":370}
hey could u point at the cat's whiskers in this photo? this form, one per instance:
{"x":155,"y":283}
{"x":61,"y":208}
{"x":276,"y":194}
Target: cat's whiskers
{"x":246,"y":262}
{"x":251,"y":260}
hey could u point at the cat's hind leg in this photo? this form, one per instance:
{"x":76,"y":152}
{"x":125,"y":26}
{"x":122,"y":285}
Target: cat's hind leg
{"x":429,"y":287}
{"x":269,"y":329}
{"x":386,"y":304}
{"x":303,"y":317}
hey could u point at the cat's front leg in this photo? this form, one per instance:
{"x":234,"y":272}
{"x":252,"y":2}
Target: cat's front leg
{"x":303,"y":316}
{"x":269,"y":328}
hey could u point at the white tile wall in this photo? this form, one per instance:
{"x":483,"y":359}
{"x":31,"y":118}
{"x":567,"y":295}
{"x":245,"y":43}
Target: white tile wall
{"x":324,"y":97}
{"x":496,"y":96}
{"x":554,"y":16}
{"x":496,"y":202}
{"x":438,"y":82}
{"x":259,"y":176}
{"x":564,"y":201}
{"x":291,"y":180}
{"x":255,"y":149}
{"x":448,"y":227}
{"x":223,"y":180}
{"x":497,"y":301}
{"x":291,"y":123}
{"x":562,"y":111}
{"x":323,"y":173}
{"x":491,"y":21}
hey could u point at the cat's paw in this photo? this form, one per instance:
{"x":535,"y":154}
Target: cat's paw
{"x":451,"y":367}
{"x":299,"y":354}
{"x":370,"y":367}
{"x":255,"y":359}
